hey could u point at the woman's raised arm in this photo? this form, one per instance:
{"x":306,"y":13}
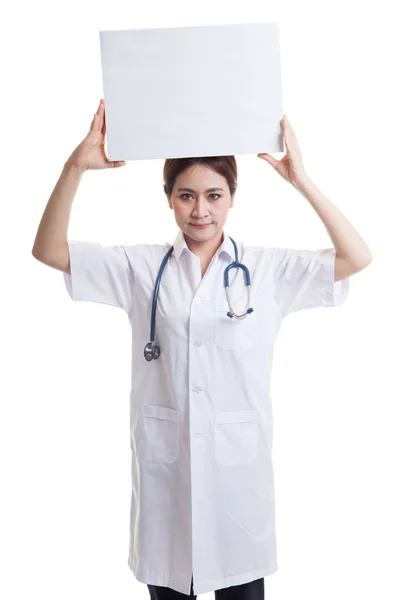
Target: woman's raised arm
{"x":50,"y":245}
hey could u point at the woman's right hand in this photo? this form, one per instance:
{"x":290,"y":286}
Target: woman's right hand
{"x":90,"y":153}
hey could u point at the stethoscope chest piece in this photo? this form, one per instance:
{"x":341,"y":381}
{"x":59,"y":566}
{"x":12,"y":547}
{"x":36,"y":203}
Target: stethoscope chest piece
{"x":151,"y":351}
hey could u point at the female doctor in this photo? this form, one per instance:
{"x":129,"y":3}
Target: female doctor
{"x":204,"y":312}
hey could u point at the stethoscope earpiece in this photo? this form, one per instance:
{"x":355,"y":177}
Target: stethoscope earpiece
{"x":151,"y":350}
{"x":231,"y":315}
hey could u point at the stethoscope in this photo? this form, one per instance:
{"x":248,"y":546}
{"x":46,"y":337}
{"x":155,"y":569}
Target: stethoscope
{"x":151,"y":350}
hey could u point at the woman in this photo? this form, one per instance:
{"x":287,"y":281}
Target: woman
{"x":202,"y":506}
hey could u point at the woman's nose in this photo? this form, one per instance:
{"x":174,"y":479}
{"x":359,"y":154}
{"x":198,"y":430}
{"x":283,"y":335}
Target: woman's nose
{"x":200,"y":208}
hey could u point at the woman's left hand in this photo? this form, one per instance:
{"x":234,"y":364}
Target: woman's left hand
{"x":291,"y":166}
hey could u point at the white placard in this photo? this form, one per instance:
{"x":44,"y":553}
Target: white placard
{"x":180,"y":92}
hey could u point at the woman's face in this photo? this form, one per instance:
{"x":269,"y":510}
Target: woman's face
{"x":200,"y":203}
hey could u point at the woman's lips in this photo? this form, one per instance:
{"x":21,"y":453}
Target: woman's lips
{"x":200,"y":226}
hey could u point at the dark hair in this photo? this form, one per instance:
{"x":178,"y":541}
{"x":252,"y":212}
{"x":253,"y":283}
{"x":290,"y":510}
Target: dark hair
{"x":224,"y":165}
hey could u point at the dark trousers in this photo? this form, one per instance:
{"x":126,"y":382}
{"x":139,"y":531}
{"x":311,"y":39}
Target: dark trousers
{"x":253,"y":590}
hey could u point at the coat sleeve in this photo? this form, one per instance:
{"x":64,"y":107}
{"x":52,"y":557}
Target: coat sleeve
{"x":305,"y":279}
{"x":100,"y":274}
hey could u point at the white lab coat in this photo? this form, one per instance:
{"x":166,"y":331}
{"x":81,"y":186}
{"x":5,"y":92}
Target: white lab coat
{"x":200,"y":415}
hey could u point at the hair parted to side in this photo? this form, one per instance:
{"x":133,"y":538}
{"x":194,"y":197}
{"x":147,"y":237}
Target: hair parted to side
{"x":224,"y":165}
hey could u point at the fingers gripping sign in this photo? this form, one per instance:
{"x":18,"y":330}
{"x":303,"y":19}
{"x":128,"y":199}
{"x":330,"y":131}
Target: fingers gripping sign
{"x":90,"y":153}
{"x":290,"y":167}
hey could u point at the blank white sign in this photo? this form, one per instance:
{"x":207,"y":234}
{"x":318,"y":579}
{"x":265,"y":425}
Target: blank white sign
{"x":192,"y":91}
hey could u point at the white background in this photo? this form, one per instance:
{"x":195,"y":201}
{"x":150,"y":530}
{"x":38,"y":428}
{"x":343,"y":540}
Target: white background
{"x":64,"y":422}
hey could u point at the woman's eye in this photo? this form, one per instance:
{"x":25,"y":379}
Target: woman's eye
{"x":182,"y":195}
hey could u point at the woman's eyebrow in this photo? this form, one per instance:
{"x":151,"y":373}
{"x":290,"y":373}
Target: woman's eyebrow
{"x":186,"y":189}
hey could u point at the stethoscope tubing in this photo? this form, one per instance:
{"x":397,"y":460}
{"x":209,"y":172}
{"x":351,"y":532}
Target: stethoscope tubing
{"x":151,"y":350}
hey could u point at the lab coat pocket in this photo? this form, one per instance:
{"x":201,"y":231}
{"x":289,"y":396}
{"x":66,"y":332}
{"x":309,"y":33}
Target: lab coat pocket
{"x":159,"y":433}
{"x":236,"y":437}
{"x":231,"y":333}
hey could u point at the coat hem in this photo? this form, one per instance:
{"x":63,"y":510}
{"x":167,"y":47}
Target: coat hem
{"x":206,"y":585}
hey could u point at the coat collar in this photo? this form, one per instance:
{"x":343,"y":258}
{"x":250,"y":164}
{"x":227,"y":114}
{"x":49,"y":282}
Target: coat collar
{"x":226,"y":248}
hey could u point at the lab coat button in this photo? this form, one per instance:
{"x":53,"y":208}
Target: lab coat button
{"x":196,"y":389}
{"x":199,"y":300}
{"x":197,"y":343}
